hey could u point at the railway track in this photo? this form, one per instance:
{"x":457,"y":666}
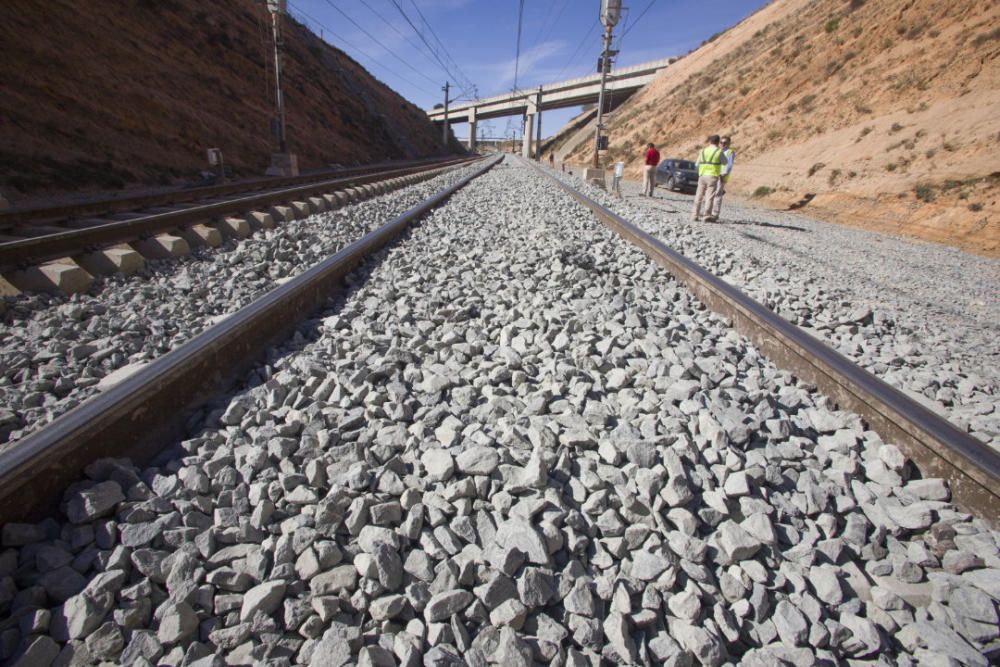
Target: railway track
{"x":607,"y":531}
{"x":17,"y":222}
{"x":77,"y":236}
{"x":939,"y":448}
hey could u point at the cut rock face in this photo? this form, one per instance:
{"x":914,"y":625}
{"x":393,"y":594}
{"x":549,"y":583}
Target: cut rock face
{"x":498,"y":450}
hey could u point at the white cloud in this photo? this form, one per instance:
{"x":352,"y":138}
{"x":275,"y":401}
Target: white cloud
{"x":435,"y":5}
{"x":530,"y":68}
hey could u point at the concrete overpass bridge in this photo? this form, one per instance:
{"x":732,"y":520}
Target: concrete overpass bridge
{"x":620,"y":84}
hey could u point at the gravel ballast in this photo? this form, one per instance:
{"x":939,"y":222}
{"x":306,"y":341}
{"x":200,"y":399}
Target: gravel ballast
{"x":499,"y":450}
{"x":58,"y":350}
{"x":920,"y":316}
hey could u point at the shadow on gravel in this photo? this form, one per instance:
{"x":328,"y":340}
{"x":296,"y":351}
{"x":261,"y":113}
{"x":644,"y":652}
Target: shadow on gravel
{"x":761,"y":224}
{"x":663,"y":205}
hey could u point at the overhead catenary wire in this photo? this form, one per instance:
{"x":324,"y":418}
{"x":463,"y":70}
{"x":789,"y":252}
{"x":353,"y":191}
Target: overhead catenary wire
{"x":440,"y":43}
{"x":415,"y":46}
{"x":548,"y":25}
{"x":636,"y":21}
{"x":354,"y":47}
{"x":517,"y":48}
{"x":579,"y":46}
{"x":447,"y":70}
{"x":375,"y":39}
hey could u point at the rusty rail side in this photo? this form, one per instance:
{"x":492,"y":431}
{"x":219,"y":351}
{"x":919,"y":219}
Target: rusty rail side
{"x":938,"y":447}
{"x":137,"y":417}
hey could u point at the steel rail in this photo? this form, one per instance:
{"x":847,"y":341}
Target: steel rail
{"x":146,"y":410}
{"x":17,"y":216}
{"x":38,"y":249}
{"x":939,"y":448}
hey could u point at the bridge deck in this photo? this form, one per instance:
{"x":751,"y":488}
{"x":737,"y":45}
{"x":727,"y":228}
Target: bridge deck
{"x":568,"y":93}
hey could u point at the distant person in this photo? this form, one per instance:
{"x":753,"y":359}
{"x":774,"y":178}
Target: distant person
{"x":552,"y":160}
{"x":649,"y":171}
{"x":616,"y":178}
{"x":728,"y":158}
{"x":709,"y":170}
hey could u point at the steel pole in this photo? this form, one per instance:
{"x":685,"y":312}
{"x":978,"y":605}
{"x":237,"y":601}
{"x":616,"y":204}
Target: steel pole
{"x":276,"y":31}
{"x":600,"y":97}
{"x":444,"y":128}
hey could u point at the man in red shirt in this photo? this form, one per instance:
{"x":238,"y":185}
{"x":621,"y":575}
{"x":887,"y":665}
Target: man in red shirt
{"x":649,"y":171}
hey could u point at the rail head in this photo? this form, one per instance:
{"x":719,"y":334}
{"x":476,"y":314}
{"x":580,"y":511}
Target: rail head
{"x":938,"y":447}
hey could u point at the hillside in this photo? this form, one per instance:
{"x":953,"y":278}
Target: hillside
{"x":98,"y":95}
{"x":874,"y":113}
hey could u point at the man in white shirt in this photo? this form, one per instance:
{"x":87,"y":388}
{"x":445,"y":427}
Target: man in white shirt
{"x":728,"y":158}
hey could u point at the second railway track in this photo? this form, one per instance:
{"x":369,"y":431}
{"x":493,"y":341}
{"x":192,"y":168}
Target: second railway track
{"x":168,"y":224}
{"x":516,"y":442}
{"x":24,"y":218}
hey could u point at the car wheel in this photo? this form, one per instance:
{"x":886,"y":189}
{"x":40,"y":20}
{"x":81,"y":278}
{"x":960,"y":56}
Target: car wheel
{"x":670,"y":183}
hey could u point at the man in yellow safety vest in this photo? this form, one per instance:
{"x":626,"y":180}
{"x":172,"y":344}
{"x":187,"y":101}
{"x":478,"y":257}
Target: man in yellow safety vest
{"x":728,"y":158}
{"x":709,"y":170}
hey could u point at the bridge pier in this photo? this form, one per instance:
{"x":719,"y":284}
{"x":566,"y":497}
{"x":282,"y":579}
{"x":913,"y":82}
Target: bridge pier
{"x":472,"y":129}
{"x":529,"y":124}
{"x":538,"y":125}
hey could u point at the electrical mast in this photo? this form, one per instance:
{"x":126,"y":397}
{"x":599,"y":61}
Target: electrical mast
{"x":283,"y":163}
{"x":444,"y":128}
{"x":611,"y":11}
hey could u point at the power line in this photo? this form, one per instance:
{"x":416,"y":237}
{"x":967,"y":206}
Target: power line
{"x":636,"y":21}
{"x":374,"y":39}
{"x":548,"y":25}
{"x":466,"y":82}
{"x":359,"y":50}
{"x":430,"y":48}
{"x":579,"y":46}
{"x":416,"y":47}
{"x":438,"y":40}
{"x":517,"y":51}
{"x":447,"y":70}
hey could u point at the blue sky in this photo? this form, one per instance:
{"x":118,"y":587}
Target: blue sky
{"x":475,"y":42}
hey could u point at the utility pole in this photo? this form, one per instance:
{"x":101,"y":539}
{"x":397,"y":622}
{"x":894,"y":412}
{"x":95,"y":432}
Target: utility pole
{"x":444,"y":129}
{"x":610,"y":13}
{"x":283,"y":163}
{"x":275,"y":7}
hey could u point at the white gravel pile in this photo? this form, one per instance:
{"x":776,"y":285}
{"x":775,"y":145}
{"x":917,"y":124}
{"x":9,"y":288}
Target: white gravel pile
{"x":922,"y":317}
{"x":55,"y":350}
{"x":499,"y":450}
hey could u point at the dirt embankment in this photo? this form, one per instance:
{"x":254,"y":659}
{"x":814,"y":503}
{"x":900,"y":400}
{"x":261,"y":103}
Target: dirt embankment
{"x":98,"y":95}
{"x":874,"y":113}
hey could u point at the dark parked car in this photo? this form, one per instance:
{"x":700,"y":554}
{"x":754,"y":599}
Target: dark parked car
{"x":677,"y":175}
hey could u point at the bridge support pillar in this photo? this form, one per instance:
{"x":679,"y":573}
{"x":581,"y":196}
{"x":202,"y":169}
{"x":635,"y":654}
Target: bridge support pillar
{"x":538,"y":125}
{"x":529,"y":124}
{"x":472,"y":130}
